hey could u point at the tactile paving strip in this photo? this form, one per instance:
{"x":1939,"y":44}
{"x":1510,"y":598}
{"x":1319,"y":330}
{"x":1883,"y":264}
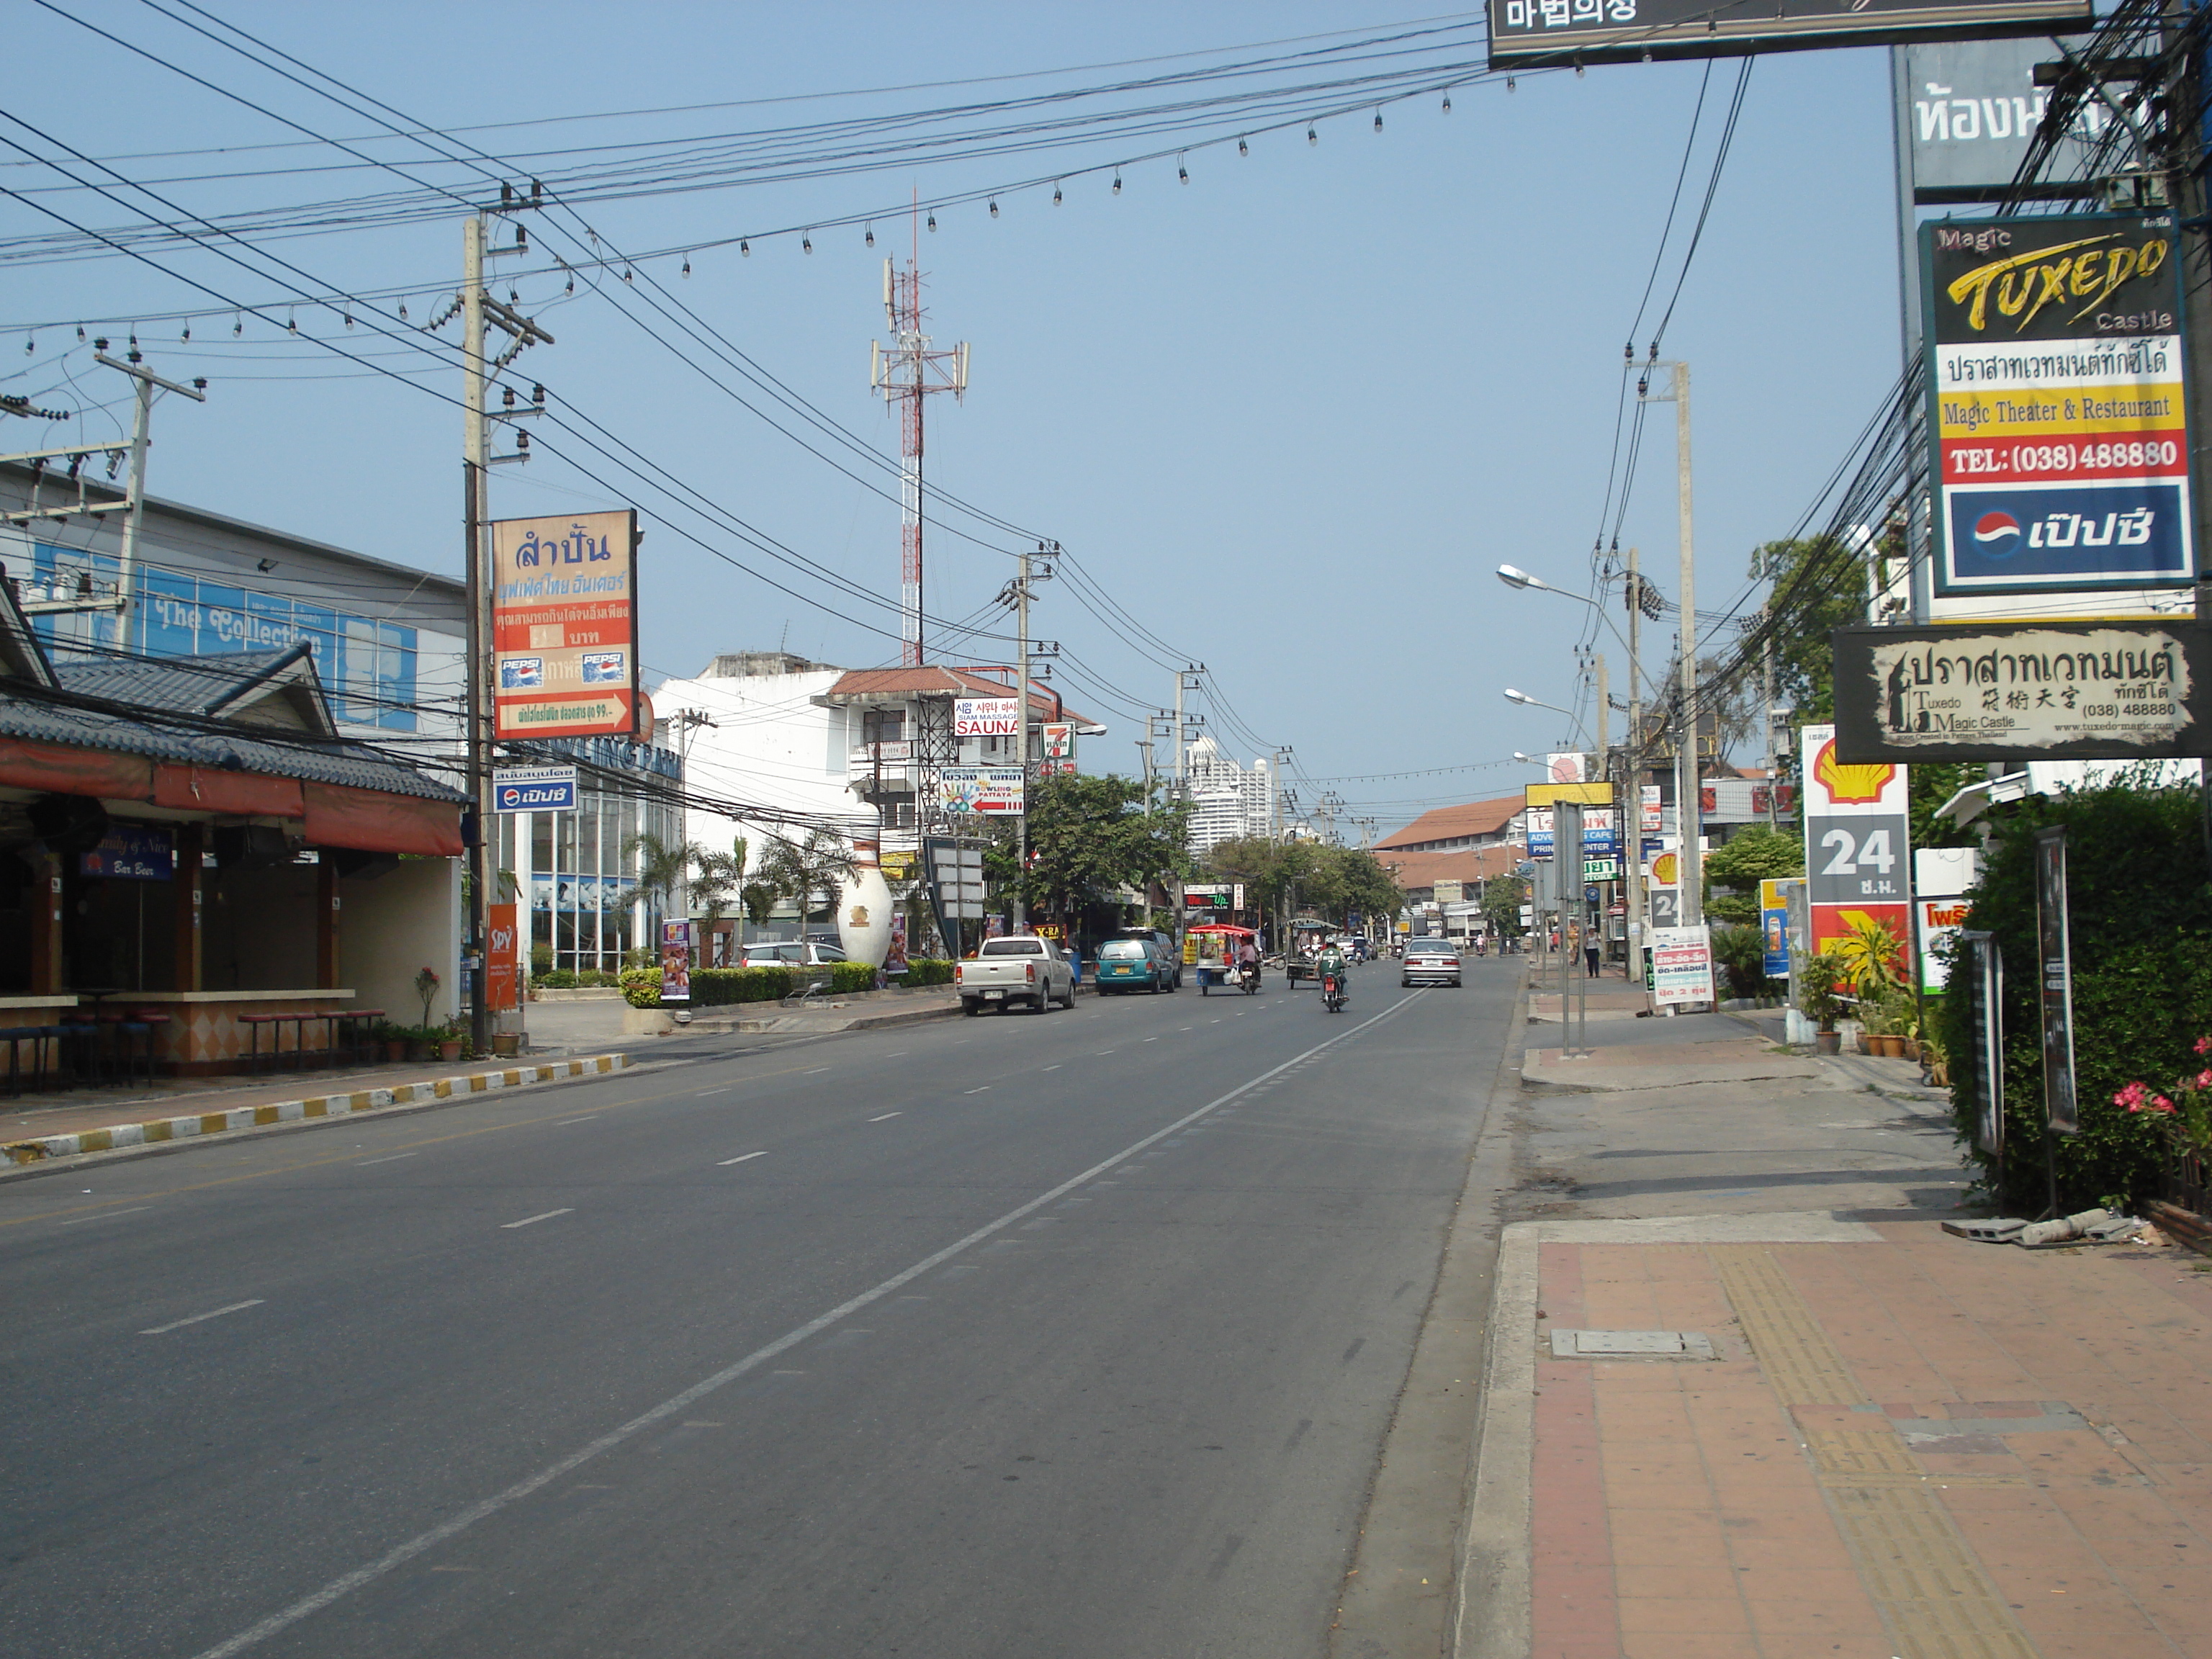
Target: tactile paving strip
{"x":1930,"y":1588}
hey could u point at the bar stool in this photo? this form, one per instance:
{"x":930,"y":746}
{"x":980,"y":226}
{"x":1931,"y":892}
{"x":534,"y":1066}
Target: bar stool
{"x":255,"y":1024}
{"x":79,"y":1037}
{"x":360,"y":1022}
{"x":134,"y":1035}
{"x":15,"y":1036}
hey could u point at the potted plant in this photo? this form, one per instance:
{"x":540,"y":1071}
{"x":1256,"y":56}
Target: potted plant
{"x":426,"y":988}
{"x":394,"y":1039}
{"x":1935,"y":1064}
{"x":1818,"y":1001}
{"x":449,"y":1040}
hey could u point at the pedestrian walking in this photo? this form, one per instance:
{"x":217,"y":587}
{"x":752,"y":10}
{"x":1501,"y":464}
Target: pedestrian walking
{"x":1589,"y":959}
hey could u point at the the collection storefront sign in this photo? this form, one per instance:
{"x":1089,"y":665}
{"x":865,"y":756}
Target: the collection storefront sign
{"x":2023,"y":691}
{"x":564,"y":625}
{"x":1528,"y":34}
{"x":2056,"y":404}
{"x":989,"y":791}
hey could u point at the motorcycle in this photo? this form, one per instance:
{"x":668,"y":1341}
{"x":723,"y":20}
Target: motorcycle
{"x":1332,"y":993}
{"x":1248,"y":977}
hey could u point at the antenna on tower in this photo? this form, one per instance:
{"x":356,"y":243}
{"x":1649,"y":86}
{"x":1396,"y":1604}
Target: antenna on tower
{"x":907,"y":371}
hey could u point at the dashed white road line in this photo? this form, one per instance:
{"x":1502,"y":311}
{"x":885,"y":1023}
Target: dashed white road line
{"x":742,"y":1157}
{"x":216,"y":1313}
{"x":814,"y":1070}
{"x":394,"y":1158}
{"x":1052,"y":1068}
{"x":724,"y":1090}
{"x":136,"y":1209}
{"x":566,"y":1121}
{"x":885,"y":1118}
{"x":985,"y":1089}
{"x":531,"y":1220}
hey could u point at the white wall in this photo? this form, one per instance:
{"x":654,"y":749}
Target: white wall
{"x":771,"y":745}
{"x":393,"y":925}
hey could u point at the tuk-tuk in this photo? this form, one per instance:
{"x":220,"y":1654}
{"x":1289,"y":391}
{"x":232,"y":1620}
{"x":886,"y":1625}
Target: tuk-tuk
{"x":1213,"y":946}
{"x":1298,"y":965}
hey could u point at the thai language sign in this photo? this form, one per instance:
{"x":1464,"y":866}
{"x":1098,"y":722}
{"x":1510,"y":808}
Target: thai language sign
{"x":1969,"y":108}
{"x":1524,"y":33}
{"x":2055,"y":404}
{"x":564,"y":625}
{"x":1681,"y":965}
{"x":987,"y":717}
{"x":990,"y":791}
{"x":2023,"y":691}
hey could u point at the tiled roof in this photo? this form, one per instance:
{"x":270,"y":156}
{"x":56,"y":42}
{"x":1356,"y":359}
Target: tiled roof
{"x":181,"y":685}
{"x":1475,"y":818}
{"x":1416,"y":872}
{"x":932,"y":680}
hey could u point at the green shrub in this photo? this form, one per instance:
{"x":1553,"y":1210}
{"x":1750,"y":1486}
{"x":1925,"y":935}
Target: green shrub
{"x":598,"y":978}
{"x":640,"y":986}
{"x":715,"y":987}
{"x":847,"y":977}
{"x":1741,"y":953}
{"x":555,"y":979}
{"x":2141,"y":926}
{"x":927,"y":970}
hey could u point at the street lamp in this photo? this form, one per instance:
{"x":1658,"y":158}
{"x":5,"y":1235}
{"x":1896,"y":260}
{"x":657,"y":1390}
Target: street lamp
{"x":1527,"y":701}
{"x":1514,"y":576}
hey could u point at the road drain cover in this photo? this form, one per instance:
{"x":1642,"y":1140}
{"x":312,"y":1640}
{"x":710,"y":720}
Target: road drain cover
{"x":1629,"y":1344}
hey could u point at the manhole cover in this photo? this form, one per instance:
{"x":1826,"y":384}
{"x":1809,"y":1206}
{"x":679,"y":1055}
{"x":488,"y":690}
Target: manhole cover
{"x":1629,"y":1344}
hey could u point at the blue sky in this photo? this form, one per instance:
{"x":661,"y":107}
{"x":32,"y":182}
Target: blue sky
{"x":1290,"y":414}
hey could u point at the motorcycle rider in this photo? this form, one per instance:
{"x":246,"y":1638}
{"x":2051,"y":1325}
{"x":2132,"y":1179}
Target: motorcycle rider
{"x":1247,"y":959}
{"x":1332,"y":965}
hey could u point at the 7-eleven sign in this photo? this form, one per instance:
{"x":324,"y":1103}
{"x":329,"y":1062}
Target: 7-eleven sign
{"x":1059,"y":740}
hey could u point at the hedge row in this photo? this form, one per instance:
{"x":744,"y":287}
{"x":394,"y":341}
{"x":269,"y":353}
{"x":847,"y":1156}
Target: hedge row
{"x":714,"y":987}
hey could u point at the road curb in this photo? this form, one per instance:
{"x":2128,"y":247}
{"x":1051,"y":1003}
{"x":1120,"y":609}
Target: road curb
{"x":39,"y":1149}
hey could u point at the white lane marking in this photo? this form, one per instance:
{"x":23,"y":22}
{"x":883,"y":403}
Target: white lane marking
{"x":985,"y":1089}
{"x":814,"y":1070}
{"x":742,"y":1157}
{"x":529,"y":1220}
{"x":566,"y":1121}
{"x":179,"y":1324}
{"x":1105,"y":1051}
{"x":895,"y":1054}
{"x":724,"y":1090}
{"x":400,"y":1554}
{"x":135,"y":1209}
{"x":394,"y":1158}
{"x":1192,"y":1028}
{"x":1152,"y":1039}
{"x":885,"y":1118}
{"x":1052,"y":1068}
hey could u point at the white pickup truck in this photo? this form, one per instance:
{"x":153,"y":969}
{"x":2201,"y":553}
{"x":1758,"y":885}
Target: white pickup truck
{"x":1022,"y":969}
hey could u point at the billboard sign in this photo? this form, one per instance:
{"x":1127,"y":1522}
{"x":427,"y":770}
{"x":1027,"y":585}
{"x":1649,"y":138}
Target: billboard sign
{"x":499,"y":957}
{"x":988,"y":791}
{"x":1969,"y":108}
{"x":1528,"y":34}
{"x":534,"y":789}
{"x":2055,"y":404}
{"x":1858,"y":856}
{"x":1600,"y":838}
{"x":1653,"y":808}
{"x":675,"y":957}
{"x":1987,"y":692}
{"x":1565,"y":768}
{"x":987,"y":717}
{"x":1774,"y":923}
{"x":1681,"y":965}
{"x":564,"y":626}
{"x":1940,"y":921}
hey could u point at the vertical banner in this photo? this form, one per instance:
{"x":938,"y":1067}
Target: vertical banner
{"x":1774,"y":923}
{"x":499,"y":959}
{"x":1984,"y":1066}
{"x":895,"y":963}
{"x":2055,"y":404}
{"x":675,"y":962}
{"x":2054,"y":980}
{"x":1858,"y":857}
{"x":564,"y":626}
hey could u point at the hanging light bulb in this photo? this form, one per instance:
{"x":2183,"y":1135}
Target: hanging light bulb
{"x":514,"y":298}
{"x":625,"y":273}
{"x":1312,"y":137}
{"x":31,"y":342}
{"x":1117,"y":181}
{"x":806,"y":243}
{"x":80,"y":333}
{"x":1182,"y":173}
{"x":1243,"y":148}
{"x":403,"y":311}
{"x":1378,"y":120}
{"x":1448,"y":103}
{"x":187,"y":334}
{"x":1578,"y":69}
{"x":687,"y":265}
{"x":348,"y":315}
{"x":291,"y":322}
{"x":571,"y":286}
{"x":237,"y":326}
{"x":1509,"y":83}
{"x":994,"y":207}
{"x":932,"y":221}
{"x":744,"y":247}
{"x":1055,"y":192}
{"x":872,"y":235}
{"x":133,"y":339}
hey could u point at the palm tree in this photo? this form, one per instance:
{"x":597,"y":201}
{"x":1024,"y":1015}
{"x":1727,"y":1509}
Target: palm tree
{"x":808,"y":870}
{"x":702,"y":876}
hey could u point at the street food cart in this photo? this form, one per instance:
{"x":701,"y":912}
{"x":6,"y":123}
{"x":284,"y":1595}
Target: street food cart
{"x":1307,"y":938}
{"x":1212,"y":949}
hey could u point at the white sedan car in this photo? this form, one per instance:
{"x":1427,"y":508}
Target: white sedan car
{"x":1430,"y":961}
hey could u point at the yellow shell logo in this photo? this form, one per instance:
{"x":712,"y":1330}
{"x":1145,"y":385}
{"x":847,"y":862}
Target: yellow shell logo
{"x":1851,"y":786}
{"x":1666,"y":869}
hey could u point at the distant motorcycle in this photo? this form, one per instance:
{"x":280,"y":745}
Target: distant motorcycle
{"x":1248,"y":976}
{"x":1332,"y":993}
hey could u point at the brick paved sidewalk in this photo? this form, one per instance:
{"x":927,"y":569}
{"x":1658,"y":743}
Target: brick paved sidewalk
{"x":1906,"y":1444}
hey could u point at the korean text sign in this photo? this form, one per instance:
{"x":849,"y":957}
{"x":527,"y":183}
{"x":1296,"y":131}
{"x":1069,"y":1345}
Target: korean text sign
{"x":2056,"y":404}
{"x":564,"y":625}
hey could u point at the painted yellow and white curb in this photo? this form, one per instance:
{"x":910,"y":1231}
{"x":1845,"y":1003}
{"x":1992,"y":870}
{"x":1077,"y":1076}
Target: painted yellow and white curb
{"x":39,"y":1147}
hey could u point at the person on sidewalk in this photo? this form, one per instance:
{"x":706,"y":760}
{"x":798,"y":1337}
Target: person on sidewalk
{"x":1589,"y":959}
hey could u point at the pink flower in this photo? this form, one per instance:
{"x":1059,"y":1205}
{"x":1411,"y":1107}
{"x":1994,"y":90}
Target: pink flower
{"x":2204,"y":1080}
{"x":2204,"y":1045}
{"x":2160,"y":1103}
{"x":2132,"y":1096}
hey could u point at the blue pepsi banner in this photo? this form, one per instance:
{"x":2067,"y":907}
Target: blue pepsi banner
{"x":2132,"y":534}
{"x":534,"y":789}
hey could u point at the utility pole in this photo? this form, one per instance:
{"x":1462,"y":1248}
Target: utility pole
{"x":1686,"y":785}
{"x":145,"y":383}
{"x":907,"y":375}
{"x":686,"y":723}
{"x":1766,"y":708}
{"x":478,"y":705}
{"x":1181,"y":774}
{"x":1020,"y":596}
{"x":1631,"y":809}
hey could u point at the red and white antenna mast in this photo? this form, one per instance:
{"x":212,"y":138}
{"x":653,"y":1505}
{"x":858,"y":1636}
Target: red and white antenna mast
{"x":906,"y":372}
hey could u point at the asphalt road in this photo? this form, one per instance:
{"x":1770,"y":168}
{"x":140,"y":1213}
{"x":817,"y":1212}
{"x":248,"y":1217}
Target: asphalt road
{"x":1075,"y":1334}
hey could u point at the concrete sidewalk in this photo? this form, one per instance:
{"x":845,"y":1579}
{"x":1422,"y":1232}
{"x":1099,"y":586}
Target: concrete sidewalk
{"x":1846,"y":1432}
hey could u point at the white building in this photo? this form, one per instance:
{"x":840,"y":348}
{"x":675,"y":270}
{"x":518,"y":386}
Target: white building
{"x":1228,"y":800}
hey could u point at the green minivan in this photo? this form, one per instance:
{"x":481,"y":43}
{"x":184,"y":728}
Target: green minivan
{"x":1133,"y":964}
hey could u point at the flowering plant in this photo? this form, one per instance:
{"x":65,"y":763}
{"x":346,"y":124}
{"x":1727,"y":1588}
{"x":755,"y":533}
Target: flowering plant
{"x":426,"y":987}
{"x":2183,"y":1113}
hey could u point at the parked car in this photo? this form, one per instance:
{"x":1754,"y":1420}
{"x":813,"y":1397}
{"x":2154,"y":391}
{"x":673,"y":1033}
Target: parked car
{"x":1136,"y":963}
{"x":791,"y":953}
{"x":1024,"y":969}
{"x":1430,"y":961}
